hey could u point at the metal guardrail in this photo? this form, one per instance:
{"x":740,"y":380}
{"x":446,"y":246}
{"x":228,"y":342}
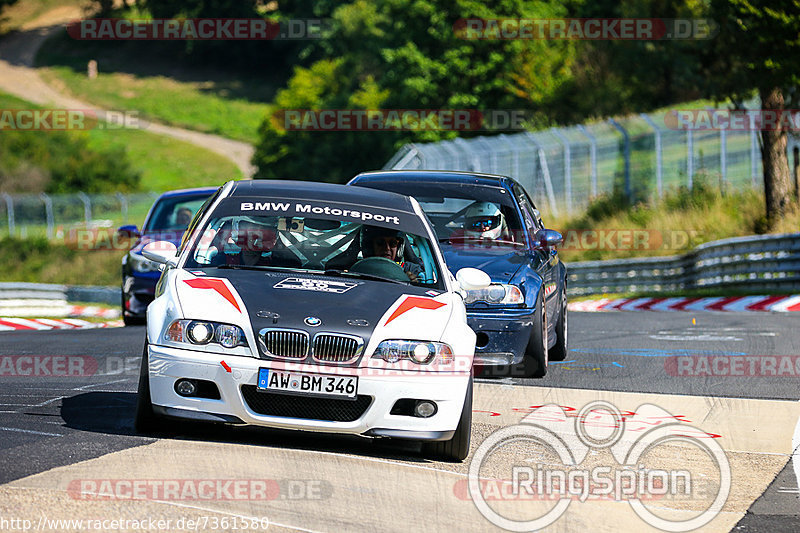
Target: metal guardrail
{"x":757,"y":263}
{"x":28,"y":299}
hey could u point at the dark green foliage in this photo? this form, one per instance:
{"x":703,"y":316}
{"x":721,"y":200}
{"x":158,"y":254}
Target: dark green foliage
{"x":405,"y":54}
{"x":60,"y":162}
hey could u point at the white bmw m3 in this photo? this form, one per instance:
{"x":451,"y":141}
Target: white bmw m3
{"x":314,"y":307}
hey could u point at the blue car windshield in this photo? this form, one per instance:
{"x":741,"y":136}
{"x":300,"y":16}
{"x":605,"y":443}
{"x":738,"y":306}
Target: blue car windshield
{"x":460,"y":220}
{"x":174,"y":213}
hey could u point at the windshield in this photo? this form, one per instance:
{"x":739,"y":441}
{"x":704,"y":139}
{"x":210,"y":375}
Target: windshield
{"x":337,"y":247}
{"x":175,"y":213}
{"x":471,"y":215}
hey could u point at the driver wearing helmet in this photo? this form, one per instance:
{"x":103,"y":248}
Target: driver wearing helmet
{"x":484,"y":220}
{"x":387,"y":243}
{"x":248,"y":245}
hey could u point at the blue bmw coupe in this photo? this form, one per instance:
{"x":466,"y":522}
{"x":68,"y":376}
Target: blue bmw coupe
{"x":489,"y":222}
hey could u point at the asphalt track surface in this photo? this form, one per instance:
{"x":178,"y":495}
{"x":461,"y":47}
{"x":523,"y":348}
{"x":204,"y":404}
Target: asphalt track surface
{"x":58,"y":431}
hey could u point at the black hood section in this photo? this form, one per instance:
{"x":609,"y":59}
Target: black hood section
{"x":363,"y":304}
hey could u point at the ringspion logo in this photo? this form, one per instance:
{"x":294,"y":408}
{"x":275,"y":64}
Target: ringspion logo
{"x":524,"y":477}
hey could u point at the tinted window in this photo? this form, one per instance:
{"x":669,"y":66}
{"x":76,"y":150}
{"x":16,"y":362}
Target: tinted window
{"x":171,"y":214}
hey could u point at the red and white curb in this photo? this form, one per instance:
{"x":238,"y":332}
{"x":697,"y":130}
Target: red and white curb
{"x":775,"y":304}
{"x":93,"y":311}
{"x":40,"y":324}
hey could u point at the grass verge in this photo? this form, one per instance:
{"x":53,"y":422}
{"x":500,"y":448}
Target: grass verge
{"x":681,"y":220}
{"x":131,"y":77}
{"x":38,"y":260}
{"x":163,"y":163}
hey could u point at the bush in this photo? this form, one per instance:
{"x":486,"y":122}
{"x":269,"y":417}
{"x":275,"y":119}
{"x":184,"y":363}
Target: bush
{"x":61,"y":162}
{"x":39,"y":260}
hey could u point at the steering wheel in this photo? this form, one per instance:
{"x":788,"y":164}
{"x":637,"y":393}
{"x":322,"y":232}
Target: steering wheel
{"x":380,"y":266}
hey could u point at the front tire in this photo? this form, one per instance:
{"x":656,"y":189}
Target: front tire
{"x":559,"y":350}
{"x":534,"y":363}
{"x":457,"y":448}
{"x":145,"y":421}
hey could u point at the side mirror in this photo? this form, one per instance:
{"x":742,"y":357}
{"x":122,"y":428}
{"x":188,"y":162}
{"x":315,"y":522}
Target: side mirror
{"x":130,"y":231}
{"x":161,"y":252}
{"x":472,"y":278}
{"x":548,"y":238}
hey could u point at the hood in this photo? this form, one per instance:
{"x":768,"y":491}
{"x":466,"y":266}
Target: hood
{"x":269,"y":299}
{"x":173,"y":236}
{"x":500,"y":262}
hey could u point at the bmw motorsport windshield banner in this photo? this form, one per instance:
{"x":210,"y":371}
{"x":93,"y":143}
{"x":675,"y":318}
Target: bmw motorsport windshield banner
{"x":285,"y":207}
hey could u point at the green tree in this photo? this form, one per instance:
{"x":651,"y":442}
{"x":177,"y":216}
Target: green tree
{"x":613,"y":77}
{"x":406,"y":54}
{"x":758,"y":49}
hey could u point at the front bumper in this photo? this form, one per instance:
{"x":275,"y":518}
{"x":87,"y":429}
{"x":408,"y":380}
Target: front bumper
{"x":502,"y":335}
{"x":138,"y":290}
{"x":238,"y":405}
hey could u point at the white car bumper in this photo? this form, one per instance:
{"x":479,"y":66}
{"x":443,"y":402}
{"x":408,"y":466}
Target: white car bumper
{"x":239,"y":401}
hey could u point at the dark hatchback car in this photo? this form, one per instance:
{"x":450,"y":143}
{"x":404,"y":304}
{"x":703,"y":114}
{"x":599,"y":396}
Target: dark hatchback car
{"x":489,"y":222}
{"x":167,"y":220}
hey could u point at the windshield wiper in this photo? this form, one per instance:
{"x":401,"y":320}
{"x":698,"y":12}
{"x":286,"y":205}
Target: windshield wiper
{"x":244,"y":267}
{"x":362,"y":275}
{"x":487,"y":243}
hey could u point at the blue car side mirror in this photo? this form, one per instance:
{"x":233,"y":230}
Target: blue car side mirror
{"x":128,"y":231}
{"x":548,"y":238}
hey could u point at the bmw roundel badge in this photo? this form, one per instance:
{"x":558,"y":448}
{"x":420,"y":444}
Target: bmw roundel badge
{"x":312,"y":321}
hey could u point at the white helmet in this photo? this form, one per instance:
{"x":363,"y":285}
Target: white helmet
{"x":484,"y":220}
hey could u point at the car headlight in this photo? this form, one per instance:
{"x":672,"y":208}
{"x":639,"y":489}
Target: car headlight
{"x":139,"y":263}
{"x":496,"y":293}
{"x":200,"y":332}
{"x":420,"y":352}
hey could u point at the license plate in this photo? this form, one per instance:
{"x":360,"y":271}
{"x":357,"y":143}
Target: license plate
{"x":307,"y":384}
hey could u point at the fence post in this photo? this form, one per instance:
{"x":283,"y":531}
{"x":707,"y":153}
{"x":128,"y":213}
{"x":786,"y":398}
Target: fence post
{"x":123,"y":205}
{"x":548,"y":185}
{"x":87,"y":207}
{"x":48,"y":211}
{"x":567,"y":168}
{"x":723,"y":158}
{"x":455,"y":153}
{"x":514,"y":155}
{"x":627,"y":139}
{"x":659,"y":153}
{"x":492,"y":153}
{"x":10,"y":210}
{"x":753,"y":150}
{"x":689,"y":158}
{"x":592,"y":157}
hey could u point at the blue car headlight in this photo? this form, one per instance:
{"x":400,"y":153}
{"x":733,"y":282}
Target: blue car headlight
{"x":496,"y":293}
